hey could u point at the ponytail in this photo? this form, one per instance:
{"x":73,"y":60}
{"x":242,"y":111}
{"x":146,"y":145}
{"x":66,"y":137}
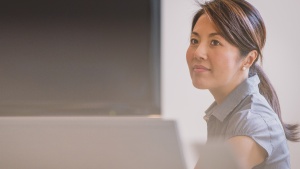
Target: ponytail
{"x":268,"y":91}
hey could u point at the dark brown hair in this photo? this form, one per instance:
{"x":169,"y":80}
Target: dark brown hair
{"x":241,"y":24}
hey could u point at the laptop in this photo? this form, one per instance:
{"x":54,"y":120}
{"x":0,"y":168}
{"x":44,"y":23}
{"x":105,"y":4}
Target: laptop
{"x":89,"y":143}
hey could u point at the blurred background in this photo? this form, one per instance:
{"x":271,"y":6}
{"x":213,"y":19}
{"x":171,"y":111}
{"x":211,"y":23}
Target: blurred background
{"x":80,"y":57}
{"x":127,"y":58}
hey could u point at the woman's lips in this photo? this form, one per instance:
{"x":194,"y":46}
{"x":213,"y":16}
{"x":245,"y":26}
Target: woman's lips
{"x":200,"y":68}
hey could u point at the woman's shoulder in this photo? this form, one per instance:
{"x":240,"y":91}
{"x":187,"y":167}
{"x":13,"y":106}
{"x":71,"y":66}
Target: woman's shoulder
{"x":253,"y":107}
{"x":255,"y":117}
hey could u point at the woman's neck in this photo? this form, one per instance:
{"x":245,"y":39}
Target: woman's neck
{"x":222,"y":92}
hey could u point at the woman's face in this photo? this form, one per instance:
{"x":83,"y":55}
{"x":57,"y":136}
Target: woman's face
{"x":214,"y":63}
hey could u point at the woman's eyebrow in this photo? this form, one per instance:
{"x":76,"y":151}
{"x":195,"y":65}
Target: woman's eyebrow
{"x":195,"y":33}
{"x":215,"y":34}
{"x":210,"y":35}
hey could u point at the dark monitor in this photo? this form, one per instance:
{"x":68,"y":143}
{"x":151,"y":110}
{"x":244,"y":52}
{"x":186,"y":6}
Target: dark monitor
{"x":80,"y":57}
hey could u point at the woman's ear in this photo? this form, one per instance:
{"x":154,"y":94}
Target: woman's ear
{"x":249,"y":59}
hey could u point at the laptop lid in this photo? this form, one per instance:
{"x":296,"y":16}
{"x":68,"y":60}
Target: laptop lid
{"x":89,"y":143}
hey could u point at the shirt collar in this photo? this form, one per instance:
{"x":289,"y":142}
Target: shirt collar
{"x":247,"y":87}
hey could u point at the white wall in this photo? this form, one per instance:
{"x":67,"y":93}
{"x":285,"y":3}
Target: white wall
{"x":182,"y":102}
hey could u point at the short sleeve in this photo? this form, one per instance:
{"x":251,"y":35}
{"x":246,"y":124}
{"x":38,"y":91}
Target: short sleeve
{"x":264,"y":130}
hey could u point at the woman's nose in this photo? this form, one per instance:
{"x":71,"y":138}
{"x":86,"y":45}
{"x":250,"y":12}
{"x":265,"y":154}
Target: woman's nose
{"x":201,"y":52}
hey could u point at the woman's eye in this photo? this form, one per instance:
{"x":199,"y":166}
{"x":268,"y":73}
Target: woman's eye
{"x":215,"y":43}
{"x":194,"y":41}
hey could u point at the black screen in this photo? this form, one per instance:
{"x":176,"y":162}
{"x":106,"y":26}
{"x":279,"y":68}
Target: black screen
{"x":82,"y":57}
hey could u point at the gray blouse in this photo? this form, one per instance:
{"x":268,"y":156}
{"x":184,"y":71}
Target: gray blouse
{"x":245,"y":112}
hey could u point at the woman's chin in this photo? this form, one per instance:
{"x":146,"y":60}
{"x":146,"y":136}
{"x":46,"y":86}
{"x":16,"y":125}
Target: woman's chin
{"x":200,"y":86}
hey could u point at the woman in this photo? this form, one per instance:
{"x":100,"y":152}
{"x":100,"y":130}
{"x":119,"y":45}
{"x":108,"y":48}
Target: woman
{"x":226,"y":42}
